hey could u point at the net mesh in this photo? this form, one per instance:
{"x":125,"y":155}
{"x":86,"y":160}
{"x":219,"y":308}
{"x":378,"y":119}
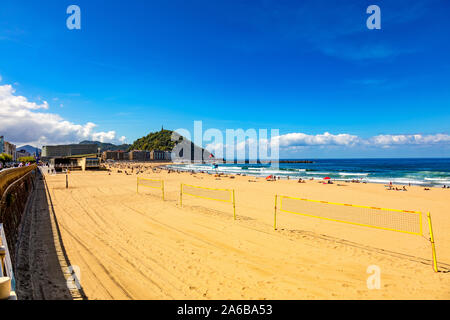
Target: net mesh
{"x":395,"y":220}
{"x":151,"y":183}
{"x":208,"y":193}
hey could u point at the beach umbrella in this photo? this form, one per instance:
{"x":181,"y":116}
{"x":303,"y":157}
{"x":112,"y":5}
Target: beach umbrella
{"x":326,"y":178}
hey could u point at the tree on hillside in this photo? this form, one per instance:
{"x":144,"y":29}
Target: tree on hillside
{"x":27,"y":159}
{"x":161,"y":140}
{"x":4,"y":157}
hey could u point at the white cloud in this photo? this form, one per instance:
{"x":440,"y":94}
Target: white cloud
{"x":297,"y":141}
{"x":12,"y":103}
{"x":409,"y":139}
{"x":292,"y":140}
{"x":302,"y":139}
{"x":25,"y":122}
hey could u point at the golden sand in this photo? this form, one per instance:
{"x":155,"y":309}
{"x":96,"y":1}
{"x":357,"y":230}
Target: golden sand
{"x":135,"y":246}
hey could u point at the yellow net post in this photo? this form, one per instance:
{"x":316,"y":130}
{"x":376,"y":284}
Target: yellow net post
{"x":275,"y":215}
{"x":433,"y":248}
{"x":234,"y":206}
{"x":181,"y":195}
{"x":421,"y":224}
{"x":162,"y":188}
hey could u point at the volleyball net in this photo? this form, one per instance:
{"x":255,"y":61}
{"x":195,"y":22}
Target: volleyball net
{"x":223,"y":195}
{"x":403,"y":221}
{"x":150,"y":183}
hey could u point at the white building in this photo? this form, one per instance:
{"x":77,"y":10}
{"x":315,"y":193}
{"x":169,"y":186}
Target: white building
{"x":10,"y":149}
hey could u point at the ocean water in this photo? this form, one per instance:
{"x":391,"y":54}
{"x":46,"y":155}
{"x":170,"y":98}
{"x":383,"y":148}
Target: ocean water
{"x":426,"y":172}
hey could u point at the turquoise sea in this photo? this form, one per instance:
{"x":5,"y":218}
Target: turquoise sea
{"x":426,"y":172}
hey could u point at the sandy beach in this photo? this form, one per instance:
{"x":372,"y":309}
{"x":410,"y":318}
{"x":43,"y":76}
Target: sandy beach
{"x":132,"y":245}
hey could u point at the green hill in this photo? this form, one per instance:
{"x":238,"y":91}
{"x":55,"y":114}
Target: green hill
{"x":162,"y":140}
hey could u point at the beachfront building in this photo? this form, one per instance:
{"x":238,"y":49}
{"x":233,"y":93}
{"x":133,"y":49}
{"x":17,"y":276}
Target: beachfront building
{"x":68,"y":150}
{"x":139,"y":155}
{"x":114,"y":155}
{"x":156,"y":155}
{"x":89,"y":163}
{"x":2,"y":141}
{"x":71,"y":156}
{"x":167,"y":155}
{"x":10,"y":149}
{"x":75,"y":163}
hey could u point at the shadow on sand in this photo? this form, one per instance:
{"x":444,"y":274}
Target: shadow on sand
{"x":41,"y":268}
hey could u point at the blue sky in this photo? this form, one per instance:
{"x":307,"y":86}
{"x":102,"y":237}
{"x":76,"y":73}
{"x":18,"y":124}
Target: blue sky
{"x":306,"y":67}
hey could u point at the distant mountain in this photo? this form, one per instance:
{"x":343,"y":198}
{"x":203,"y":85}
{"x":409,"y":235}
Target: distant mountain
{"x":107,"y":146}
{"x":162,"y":140}
{"x":30,"y":149}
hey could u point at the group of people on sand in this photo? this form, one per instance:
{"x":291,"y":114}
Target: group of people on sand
{"x":130,"y":168}
{"x":171,"y":170}
{"x":275,"y":178}
{"x":403,"y":188}
{"x":391,"y":187}
{"x":272,"y":178}
{"x":397,"y":189}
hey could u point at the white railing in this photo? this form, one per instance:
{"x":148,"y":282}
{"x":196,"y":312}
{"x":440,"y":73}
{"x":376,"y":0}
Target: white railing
{"x":7,"y":280}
